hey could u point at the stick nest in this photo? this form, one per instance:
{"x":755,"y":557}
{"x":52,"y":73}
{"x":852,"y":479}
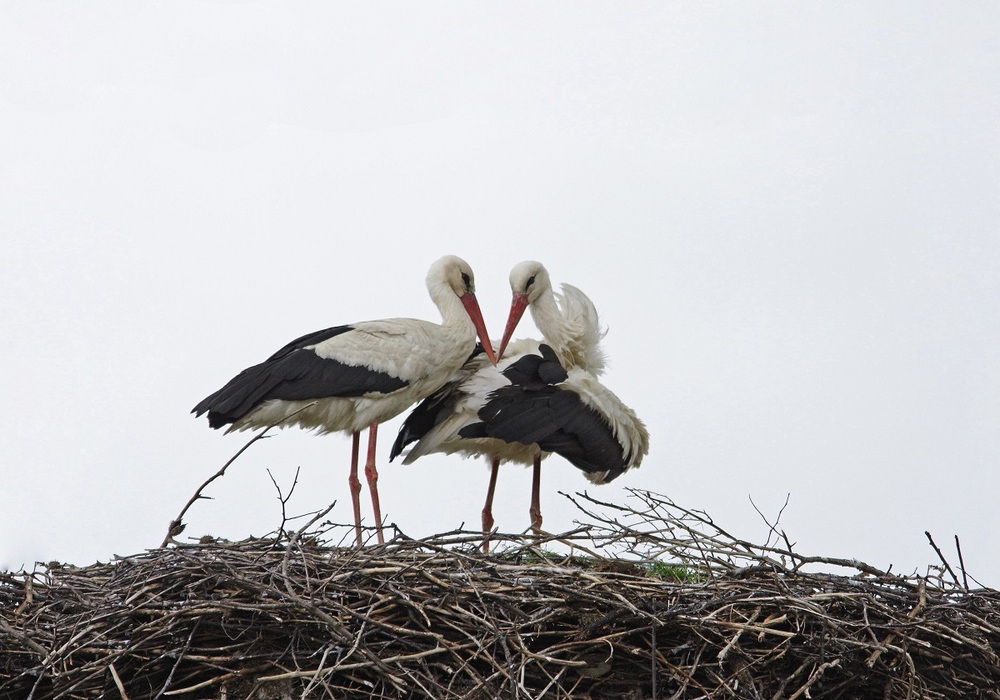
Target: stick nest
{"x":646,"y":600}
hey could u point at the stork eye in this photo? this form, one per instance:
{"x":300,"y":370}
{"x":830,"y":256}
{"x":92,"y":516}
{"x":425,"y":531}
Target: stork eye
{"x":466,"y":280}
{"x":531,"y":281}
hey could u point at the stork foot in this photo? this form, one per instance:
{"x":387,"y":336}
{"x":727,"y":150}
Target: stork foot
{"x":535,"y":511}
{"x":536,"y":520}
{"x":488,"y":506}
{"x":487,"y":529}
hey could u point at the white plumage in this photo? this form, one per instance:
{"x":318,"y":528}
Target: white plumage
{"x":569,"y":321}
{"x":352,"y":377}
{"x":542,"y":396}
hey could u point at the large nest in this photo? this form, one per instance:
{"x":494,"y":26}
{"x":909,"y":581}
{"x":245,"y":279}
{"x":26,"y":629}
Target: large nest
{"x":646,"y":600}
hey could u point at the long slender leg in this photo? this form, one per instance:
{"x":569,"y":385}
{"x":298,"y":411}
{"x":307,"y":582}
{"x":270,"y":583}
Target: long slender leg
{"x":355,"y":484}
{"x":488,"y":508}
{"x":371,"y":473}
{"x":536,"y":508}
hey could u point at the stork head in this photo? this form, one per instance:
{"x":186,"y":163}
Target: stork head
{"x":454,"y":274}
{"x":528,"y":281}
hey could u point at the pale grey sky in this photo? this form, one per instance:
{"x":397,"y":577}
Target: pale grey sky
{"x":787,"y":214}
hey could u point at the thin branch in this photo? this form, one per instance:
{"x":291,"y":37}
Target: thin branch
{"x":773,"y":527}
{"x":177,"y":524}
{"x":284,"y":499}
{"x":961,"y":563}
{"x":118,"y":682}
{"x":947,"y":566}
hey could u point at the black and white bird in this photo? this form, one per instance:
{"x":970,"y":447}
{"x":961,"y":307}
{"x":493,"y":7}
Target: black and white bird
{"x":353,"y":377}
{"x":542,"y":397}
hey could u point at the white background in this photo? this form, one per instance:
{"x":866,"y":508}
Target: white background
{"x":787,"y":214}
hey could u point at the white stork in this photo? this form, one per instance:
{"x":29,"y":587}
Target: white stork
{"x":352,"y":377}
{"x":543,"y":397}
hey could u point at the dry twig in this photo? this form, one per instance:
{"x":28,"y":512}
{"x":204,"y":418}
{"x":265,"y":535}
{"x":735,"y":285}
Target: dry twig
{"x":670,"y":605}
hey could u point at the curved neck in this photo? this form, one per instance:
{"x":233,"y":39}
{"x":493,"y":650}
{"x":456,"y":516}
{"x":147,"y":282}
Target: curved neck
{"x":453,"y":313}
{"x":461,"y":317}
{"x":571,"y":328}
{"x":554,"y":326}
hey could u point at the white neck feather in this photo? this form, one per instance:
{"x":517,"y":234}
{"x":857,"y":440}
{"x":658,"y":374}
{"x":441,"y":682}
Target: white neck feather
{"x":574,"y":330}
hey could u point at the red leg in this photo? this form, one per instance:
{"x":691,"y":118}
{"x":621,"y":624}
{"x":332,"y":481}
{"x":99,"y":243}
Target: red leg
{"x":355,"y":485}
{"x":536,"y":508}
{"x":488,"y":508}
{"x":371,"y":473}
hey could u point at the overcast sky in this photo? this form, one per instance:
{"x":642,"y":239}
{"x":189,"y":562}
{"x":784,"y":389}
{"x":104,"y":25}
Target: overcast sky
{"x":787,"y":214}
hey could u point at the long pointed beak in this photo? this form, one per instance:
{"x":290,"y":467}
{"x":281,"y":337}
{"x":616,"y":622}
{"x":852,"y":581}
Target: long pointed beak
{"x":518,"y":304}
{"x":472,"y":308}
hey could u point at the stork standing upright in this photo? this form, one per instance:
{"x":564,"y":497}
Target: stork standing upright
{"x":542,"y":397}
{"x":352,"y":377}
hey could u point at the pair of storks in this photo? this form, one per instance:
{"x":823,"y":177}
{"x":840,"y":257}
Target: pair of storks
{"x":517,"y":404}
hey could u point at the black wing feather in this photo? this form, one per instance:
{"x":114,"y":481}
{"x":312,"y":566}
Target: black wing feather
{"x":536,"y":371}
{"x":424,"y":416}
{"x":558,"y":421}
{"x":294,"y":373}
{"x":537,"y":408}
{"x":308,"y":339}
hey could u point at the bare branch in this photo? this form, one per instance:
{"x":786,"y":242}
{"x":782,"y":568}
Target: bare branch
{"x":177,"y":524}
{"x":947,"y":566}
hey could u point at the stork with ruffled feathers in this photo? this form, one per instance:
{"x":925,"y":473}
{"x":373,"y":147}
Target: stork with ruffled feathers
{"x":348,"y":378}
{"x":542,"y":396}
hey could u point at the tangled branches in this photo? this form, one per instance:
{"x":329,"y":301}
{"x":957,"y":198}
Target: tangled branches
{"x":674,"y":607}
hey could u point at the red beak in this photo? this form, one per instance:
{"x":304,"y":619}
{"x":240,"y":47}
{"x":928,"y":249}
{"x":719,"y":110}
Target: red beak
{"x":472,"y":308}
{"x":517,"y":306}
